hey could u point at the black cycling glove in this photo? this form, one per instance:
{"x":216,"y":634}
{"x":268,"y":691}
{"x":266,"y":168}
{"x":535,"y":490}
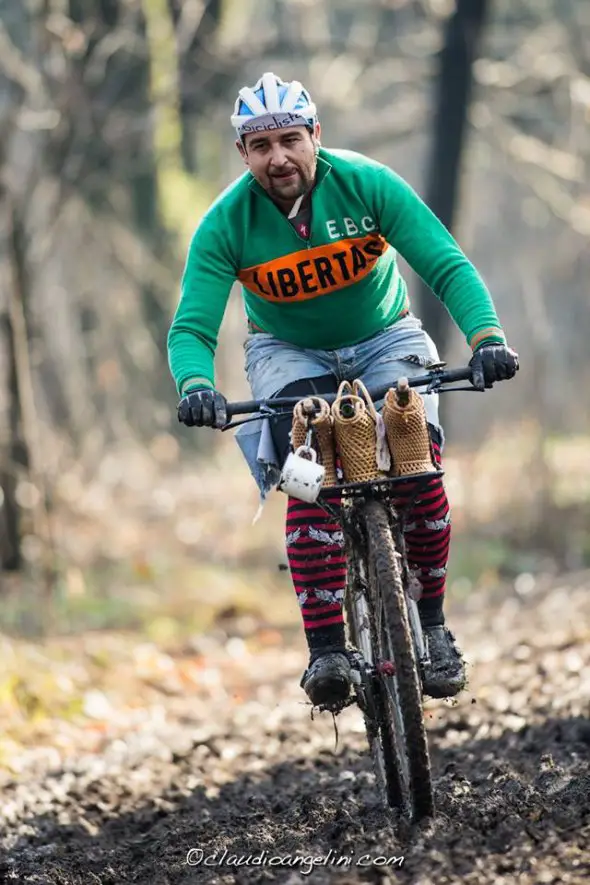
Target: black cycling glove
{"x":203,"y":407}
{"x":491,"y":363}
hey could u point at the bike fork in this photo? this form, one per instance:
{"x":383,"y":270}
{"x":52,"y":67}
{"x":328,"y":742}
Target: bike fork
{"x":417,"y":633}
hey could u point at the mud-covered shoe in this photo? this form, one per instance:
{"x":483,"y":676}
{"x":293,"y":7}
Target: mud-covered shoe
{"x":327,"y":679}
{"x":444,"y":676}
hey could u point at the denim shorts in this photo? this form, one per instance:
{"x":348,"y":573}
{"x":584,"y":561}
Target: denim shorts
{"x":401,"y":349}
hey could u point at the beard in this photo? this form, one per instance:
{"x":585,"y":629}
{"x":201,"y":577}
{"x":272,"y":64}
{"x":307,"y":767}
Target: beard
{"x":289,"y":188}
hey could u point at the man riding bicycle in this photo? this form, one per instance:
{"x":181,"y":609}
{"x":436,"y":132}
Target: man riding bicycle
{"x":312,"y":235}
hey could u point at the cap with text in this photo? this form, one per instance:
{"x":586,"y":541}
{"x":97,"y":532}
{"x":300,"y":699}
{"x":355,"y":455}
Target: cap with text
{"x":272,"y":104}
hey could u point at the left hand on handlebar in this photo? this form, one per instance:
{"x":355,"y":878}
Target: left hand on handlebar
{"x":491,"y":363}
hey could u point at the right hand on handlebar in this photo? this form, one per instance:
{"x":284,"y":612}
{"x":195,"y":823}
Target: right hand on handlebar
{"x":203,"y":407}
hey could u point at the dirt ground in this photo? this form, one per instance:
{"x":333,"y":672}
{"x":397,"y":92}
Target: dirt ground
{"x":244,"y":770}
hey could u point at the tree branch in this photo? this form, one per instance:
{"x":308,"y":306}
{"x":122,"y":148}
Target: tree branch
{"x":527,"y":148}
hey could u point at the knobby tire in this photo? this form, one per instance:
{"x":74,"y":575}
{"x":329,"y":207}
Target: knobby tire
{"x":408,"y":780}
{"x":377,"y":725}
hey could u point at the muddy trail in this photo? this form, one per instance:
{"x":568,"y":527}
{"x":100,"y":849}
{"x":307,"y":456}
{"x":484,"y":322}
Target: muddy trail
{"x":255,"y":790}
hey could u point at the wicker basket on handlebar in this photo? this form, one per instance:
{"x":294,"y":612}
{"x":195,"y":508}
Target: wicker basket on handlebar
{"x":356,"y":423}
{"x":322,"y":424}
{"x":407,"y":431}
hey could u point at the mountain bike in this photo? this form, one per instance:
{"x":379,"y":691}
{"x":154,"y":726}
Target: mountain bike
{"x":383,"y":625}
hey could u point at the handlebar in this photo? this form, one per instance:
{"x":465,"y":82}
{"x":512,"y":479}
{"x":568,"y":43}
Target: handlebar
{"x":433,"y":381}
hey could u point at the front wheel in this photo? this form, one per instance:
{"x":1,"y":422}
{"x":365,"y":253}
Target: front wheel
{"x":398,"y":688}
{"x":369,"y":698}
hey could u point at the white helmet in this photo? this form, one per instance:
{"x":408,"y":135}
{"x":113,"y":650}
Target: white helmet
{"x":272,"y":104}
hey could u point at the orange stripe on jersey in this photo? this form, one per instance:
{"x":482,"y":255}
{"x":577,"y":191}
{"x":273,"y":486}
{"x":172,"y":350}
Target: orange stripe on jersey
{"x":310,"y":273}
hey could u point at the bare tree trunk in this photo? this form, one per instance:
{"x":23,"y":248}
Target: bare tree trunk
{"x":12,"y":449}
{"x":463,"y":33}
{"x":195,"y":26}
{"x":27,"y":441}
{"x":12,"y":454}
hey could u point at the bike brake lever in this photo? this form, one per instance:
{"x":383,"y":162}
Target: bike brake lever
{"x":265,"y":412}
{"x":241,"y":421}
{"x":468,"y":387}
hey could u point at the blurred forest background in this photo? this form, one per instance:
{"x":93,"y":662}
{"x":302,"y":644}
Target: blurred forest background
{"x":115,"y":137}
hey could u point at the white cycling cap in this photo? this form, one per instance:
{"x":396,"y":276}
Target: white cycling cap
{"x":272,"y":104}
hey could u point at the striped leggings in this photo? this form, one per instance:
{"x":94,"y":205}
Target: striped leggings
{"x":315,"y":550}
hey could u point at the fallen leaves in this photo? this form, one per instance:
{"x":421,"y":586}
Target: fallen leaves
{"x":72,"y":692}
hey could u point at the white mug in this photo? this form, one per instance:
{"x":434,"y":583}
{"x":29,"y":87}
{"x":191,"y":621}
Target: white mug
{"x":301,"y":477}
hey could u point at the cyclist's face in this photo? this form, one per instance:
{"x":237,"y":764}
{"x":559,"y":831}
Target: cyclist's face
{"x":283,"y":161}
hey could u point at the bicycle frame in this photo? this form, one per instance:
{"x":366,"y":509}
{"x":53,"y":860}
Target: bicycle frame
{"x":380,"y":490}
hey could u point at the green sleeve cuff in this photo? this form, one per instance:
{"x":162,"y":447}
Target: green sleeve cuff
{"x":192,"y":383}
{"x":492,"y":335}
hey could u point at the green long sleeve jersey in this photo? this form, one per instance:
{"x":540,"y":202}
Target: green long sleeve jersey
{"x":337,"y":288}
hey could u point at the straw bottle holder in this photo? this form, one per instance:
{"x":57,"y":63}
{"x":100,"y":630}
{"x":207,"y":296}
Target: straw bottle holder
{"x":323,"y":426}
{"x":407,"y":431}
{"x":356,"y":425}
